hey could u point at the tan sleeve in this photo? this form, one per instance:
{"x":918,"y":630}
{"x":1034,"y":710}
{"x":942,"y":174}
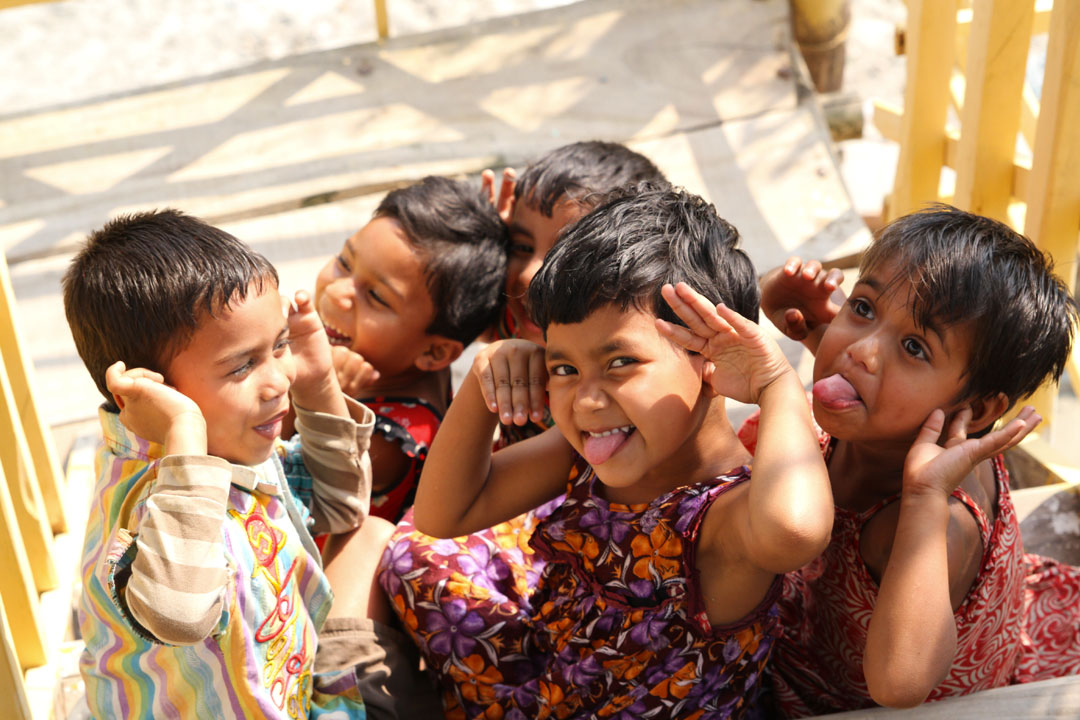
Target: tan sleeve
{"x":178,"y":577}
{"x":335,"y":454}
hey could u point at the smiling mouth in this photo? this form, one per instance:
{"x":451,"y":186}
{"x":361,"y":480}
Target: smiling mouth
{"x":336,"y":336}
{"x":598,"y":447}
{"x":273,"y":425}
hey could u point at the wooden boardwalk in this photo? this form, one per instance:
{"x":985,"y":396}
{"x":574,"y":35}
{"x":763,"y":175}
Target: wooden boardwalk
{"x":292,"y":155}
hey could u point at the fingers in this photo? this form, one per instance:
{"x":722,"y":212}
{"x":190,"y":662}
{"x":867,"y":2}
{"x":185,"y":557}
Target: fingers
{"x":120,"y":380}
{"x":487,"y":184}
{"x":1016,"y":430}
{"x":354,"y":373}
{"x":693,"y":308}
{"x":681,"y":336}
{"x":537,"y":385}
{"x":302,"y":302}
{"x":958,"y":427}
{"x":931,"y":429}
{"x":795,"y":324}
{"x":505,"y":204}
{"x":512,"y":378}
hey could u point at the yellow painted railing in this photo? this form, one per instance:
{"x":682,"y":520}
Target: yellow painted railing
{"x":31,"y":515}
{"x":1015,"y":157}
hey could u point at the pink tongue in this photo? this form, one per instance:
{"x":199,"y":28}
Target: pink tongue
{"x":834,"y":390}
{"x":597,"y":450}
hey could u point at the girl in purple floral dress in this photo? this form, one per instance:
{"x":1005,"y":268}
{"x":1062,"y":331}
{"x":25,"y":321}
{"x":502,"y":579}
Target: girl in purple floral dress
{"x":657,"y":596}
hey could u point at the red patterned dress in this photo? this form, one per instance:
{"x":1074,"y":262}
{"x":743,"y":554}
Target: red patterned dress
{"x":616,"y":627}
{"x":1020,"y":621}
{"x":411,"y":423}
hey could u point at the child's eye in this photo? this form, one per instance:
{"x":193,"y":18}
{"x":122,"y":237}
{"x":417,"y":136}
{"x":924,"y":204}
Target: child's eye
{"x":282,"y":343}
{"x":243,"y":369}
{"x":344,"y":264}
{"x":376,"y":298}
{"x":913,"y":348}
{"x":522,"y":250}
{"x":861,"y":308}
{"x":562,"y":370}
{"x":622,"y":362}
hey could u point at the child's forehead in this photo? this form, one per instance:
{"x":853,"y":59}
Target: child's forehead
{"x":603,"y":324}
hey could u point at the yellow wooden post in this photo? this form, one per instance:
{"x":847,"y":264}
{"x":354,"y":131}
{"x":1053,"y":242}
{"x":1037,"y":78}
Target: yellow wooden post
{"x":929,"y":49}
{"x":1053,"y":199}
{"x":17,"y":589}
{"x":38,"y":439}
{"x":382,"y":20}
{"x":820,"y":28}
{"x":13,"y":703}
{"x":994,"y":78}
{"x":29,"y":511}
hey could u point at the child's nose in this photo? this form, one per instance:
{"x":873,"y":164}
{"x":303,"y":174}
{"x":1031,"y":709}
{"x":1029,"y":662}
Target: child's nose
{"x":343,"y":291}
{"x":866,"y":352}
{"x":279,"y":377}
{"x":589,"y":397}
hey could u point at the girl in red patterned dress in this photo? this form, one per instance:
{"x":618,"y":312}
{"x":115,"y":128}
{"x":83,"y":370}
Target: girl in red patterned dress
{"x":924,"y":591}
{"x":662,"y":565}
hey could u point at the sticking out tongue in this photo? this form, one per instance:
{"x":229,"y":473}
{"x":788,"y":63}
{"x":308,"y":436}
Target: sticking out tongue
{"x":597,"y":450}
{"x":835,"y":392}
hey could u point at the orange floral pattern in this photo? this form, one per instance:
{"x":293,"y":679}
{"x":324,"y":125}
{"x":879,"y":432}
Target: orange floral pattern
{"x":614,"y":626}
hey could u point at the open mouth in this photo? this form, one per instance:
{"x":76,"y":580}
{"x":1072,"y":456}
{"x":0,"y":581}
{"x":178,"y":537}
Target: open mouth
{"x":598,"y":447}
{"x":336,"y":336}
{"x":271,"y":428}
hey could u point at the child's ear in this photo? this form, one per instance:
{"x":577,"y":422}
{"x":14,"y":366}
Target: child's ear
{"x":707,"y":370}
{"x":439,"y":353}
{"x":984,"y":411}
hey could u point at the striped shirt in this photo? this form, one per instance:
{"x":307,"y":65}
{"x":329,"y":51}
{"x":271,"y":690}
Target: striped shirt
{"x":203,"y":593}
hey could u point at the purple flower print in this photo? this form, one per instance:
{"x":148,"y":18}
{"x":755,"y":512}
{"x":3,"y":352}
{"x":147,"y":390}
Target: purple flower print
{"x":481,"y":569}
{"x":688,"y":511}
{"x":454,"y":627}
{"x":395,"y":562}
{"x":445,"y":546}
{"x":583,"y":674}
{"x":604,"y":524}
{"x":648,"y":630}
{"x":732,"y":648}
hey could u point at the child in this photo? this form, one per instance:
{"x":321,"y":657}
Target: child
{"x":662,"y":564}
{"x":924,"y":592}
{"x":400,"y":302}
{"x":203,"y":593}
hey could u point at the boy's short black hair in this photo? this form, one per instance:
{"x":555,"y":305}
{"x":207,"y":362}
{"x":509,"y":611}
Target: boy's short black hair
{"x":585,"y":172}
{"x":625,"y":250}
{"x":463,"y":242}
{"x":139,"y":287}
{"x":968,"y":269}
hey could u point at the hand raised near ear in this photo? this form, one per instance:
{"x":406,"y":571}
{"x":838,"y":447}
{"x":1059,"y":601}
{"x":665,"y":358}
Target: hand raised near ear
{"x":745,"y":360}
{"x":799,"y":297}
{"x":155,"y":411}
{"x":513,"y":378}
{"x":929,"y":467}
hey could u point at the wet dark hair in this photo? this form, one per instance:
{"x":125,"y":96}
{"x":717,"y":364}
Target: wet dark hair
{"x":968,"y":269}
{"x":584,"y":171}
{"x":623,"y":251}
{"x":141,"y":285}
{"x":464,"y":245}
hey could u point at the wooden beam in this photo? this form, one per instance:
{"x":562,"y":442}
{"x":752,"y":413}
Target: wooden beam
{"x":17,"y":591}
{"x":42,"y":456}
{"x":13,"y":703}
{"x":932,"y":25}
{"x":382,"y":20}
{"x":994,"y":78}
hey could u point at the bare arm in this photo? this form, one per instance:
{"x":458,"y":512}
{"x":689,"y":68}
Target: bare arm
{"x":464,"y":487}
{"x":911,"y":641}
{"x":789,"y":511}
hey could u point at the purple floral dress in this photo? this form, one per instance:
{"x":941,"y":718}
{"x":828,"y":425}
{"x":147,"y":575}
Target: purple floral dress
{"x":614,"y":626}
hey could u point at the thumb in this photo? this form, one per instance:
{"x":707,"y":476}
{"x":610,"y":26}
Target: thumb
{"x":931,"y":429}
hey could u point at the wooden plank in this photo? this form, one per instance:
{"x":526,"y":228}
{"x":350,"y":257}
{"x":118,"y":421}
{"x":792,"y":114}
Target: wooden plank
{"x":1046,"y":700}
{"x":17,"y":591}
{"x":1053,"y":198}
{"x":382,"y":20}
{"x":29,"y":509}
{"x":42,"y":456}
{"x":931,"y":32}
{"x":994,"y":78}
{"x":324,"y":122}
{"x":13,"y":702}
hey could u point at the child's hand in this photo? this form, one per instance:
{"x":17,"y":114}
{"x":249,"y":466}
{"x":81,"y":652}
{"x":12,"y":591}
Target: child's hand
{"x":744,"y":360}
{"x":155,"y":411}
{"x":930,"y":467}
{"x":310,"y":347}
{"x":513,"y":376}
{"x":504,"y":203}
{"x":354,"y":373}
{"x":800,"y":297}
